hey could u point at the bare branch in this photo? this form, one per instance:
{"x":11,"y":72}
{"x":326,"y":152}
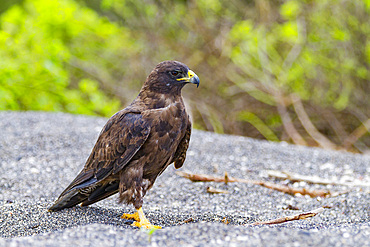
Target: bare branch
{"x":287,"y":122}
{"x":293,"y":191}
{"x":282,"y":188}
{"x":309,"y":127}
{"x":357,"y":134}
{"x":314,"y":179}
{"x":301,"y":216}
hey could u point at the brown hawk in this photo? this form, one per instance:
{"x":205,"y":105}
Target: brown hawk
{"x":137,"y":144}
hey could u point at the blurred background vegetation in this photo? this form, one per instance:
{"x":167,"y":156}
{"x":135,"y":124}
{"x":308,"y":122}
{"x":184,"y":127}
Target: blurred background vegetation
{"x":288,"y":70}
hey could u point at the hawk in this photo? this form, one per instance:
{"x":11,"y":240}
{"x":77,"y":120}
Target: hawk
{"x":137,"y":144}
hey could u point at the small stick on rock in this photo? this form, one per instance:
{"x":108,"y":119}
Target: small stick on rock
{"x":278,"y":187}
{"x":186,"y":221}
{"x":294,"y":177}
{"x":301,"y":216}
{"x":212,"y":190}
{"x":293,"y":191}
{"x":203,"y":177}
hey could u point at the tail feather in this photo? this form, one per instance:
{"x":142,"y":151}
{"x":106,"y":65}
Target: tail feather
{"x":85,"y":196}
{"x":68,"y":200}
{"x":101,"y":193}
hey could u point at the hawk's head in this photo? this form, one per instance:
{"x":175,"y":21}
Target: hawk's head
{"x":170,"y":77}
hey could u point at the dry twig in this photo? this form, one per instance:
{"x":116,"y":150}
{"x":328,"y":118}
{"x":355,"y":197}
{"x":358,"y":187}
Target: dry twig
{"x":186,"y":221}
{"x":212,"y":190}
{"x":293,"y":191}
{"x":278,"y":187}
{"x":301,"y":216}
{"x":294,"y":177}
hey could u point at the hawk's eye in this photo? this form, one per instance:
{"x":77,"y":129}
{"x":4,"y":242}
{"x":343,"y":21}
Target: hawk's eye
{"x":175,"y":73}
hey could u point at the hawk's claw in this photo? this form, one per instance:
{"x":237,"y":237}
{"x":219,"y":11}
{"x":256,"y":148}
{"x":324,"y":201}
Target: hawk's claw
{"x":134,"y":216}
{"x":140,"y":220}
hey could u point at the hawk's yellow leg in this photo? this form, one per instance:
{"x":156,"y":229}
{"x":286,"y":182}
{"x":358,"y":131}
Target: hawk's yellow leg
{"x":140,"y":220}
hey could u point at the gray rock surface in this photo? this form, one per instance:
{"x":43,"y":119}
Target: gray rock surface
{"x":41,"y":153}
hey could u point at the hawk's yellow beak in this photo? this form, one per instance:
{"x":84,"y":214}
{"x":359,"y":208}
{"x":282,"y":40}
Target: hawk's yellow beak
{"x":192,"y":78}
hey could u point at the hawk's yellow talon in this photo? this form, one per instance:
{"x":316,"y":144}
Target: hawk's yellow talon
{"x":140,"y":220}
{"x":134,"y":216}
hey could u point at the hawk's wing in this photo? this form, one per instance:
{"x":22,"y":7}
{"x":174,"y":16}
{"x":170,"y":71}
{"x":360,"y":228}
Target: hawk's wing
{"x":180,"y":154}
{"x":118,"y":142}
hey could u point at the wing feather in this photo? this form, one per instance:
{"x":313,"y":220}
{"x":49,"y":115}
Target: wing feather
{"x":180,"y":154}
{"x":118,"y":142}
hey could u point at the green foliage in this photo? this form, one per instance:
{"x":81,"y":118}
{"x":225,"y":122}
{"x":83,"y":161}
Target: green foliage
{"x":313,"y":52}
{"x":264,"y":65}
{"x":307,"y":54}
{"x":41,"y":41}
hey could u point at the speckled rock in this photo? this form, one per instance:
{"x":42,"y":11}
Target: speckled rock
{"x":40,"y":154}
